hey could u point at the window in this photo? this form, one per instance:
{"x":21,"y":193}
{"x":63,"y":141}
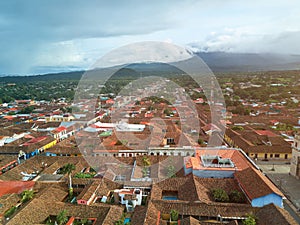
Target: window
{"x":271,"y":155}
{"x":277,"y":155}
{"x":170,"y":141}
{"x":286,"y":156}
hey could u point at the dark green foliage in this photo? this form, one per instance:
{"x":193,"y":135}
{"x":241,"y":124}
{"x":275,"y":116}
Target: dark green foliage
{"x":119,"y":142}
{"x":250,"y":220}
{"x":26,"y":110}
{"x":10,"y":212}
{"x":62,"y":217}
{"x":174,"y":215}
{"x":220,"y":195}
{"x":68,"y":168}
{"x":200,"y":141}
{"x":121,"y":220}
{"x":27,"y":195}
{"x":84,"y":175}
{"x":236,"y":196}
{"x":237,"y":128}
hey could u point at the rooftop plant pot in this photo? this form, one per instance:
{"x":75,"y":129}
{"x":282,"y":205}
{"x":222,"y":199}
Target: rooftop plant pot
{"x":165,"y":216}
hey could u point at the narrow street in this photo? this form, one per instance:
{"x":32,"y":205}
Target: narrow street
{"x":278,"y":172}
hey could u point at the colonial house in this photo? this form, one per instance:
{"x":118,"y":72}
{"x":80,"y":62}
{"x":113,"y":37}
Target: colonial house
{"x":59,"y":132}
{"x":259,"y":190}
{"x":58,"y":118}
{"x":259,"y":144}
{"x":128,"y":197}
{"x":233,"y":163}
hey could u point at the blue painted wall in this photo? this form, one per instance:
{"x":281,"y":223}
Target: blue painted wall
{"x":50,"y":154}
{"x":187,"y":170}
{"x":213,"y":173}
{"x":209,"y":173}
{"x":267,"y":199}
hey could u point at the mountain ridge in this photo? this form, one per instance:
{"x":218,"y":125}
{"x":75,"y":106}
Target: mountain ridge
{"x":216,"y":61}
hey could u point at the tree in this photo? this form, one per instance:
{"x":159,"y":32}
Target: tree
{"x":62,"y":217}
{"x":119,"y":142}
{"x":167,"y":112}
{"x":200,"y":141}
{"x":10,"y":211}
{"x":237,"y":128}
{"x":236,"y":196}
{"x":146,"y":161}
{"x":250,"y":220}
{"x":174,"y":215}
{"x":121,"y":220}
{"x":67,"y":169}
{"x":27,"y":195}
{"x":220,"y":195}
{"x":26,"y":110}
{"x":83,"y":221}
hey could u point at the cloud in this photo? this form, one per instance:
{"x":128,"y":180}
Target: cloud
{"x":231,"y":40}
{"x":35,"y":30}
{"x":73,"y":34}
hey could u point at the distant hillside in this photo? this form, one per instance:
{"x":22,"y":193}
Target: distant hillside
{"x":244,"y":62}
{"x":132,"y":71}
{"x":217,"y":61}
{"x":46,"y":77}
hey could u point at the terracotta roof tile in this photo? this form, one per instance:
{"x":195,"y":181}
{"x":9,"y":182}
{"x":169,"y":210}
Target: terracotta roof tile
{"x":10,"y":187}
{"x":271,"y":214}
{"x":255,"y":184}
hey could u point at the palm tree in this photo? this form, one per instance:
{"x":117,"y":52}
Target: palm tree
{"x":146,"y":161}
{"x":174,"y":215}
{"x":27,"y":195}
{"x":62,"y":217}
{"x":67,"y":169}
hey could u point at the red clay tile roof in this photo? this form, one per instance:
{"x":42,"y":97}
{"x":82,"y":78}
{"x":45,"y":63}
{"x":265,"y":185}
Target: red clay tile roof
{"x":255,"y":184}
{"x":34,"y":140}
{"x":271,"y":214}
{"x":266,"y":132}
{"x":58,"y":130}
{"x":139,"y":215}
{"x":15,"y":187}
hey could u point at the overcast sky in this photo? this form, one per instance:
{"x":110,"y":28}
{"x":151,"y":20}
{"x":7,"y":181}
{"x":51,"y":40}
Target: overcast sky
{"x":54,"y":35}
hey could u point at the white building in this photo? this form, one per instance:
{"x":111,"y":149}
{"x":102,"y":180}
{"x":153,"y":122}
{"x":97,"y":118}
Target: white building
{"x":129,"y":197}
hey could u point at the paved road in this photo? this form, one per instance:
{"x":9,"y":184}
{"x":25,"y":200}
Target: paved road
{"x":278,"y":172}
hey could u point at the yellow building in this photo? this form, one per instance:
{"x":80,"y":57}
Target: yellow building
{"x":257,"y":144}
